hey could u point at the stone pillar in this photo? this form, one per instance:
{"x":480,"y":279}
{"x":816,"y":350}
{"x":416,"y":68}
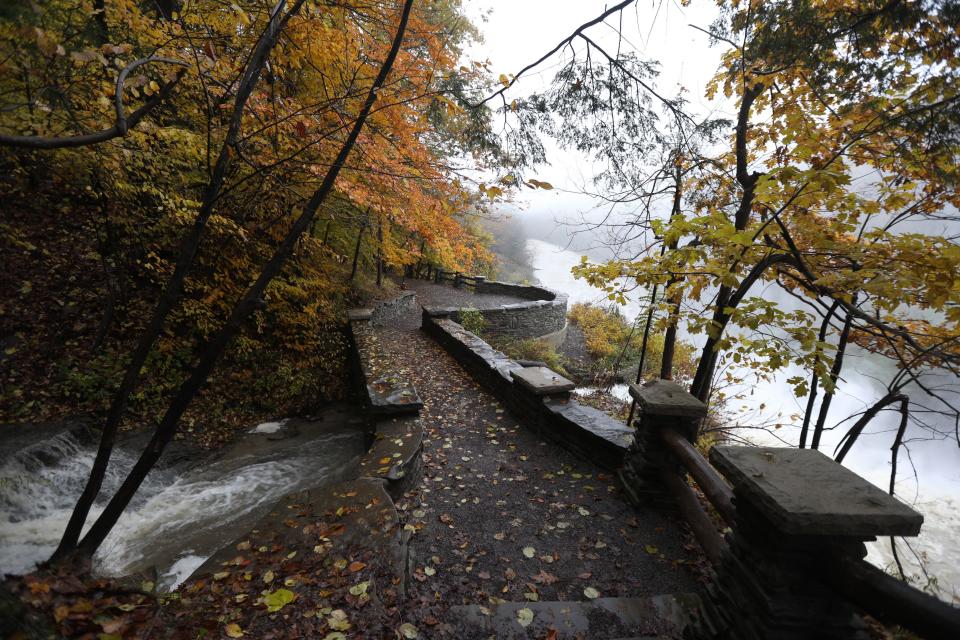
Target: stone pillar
{"x":797,"y":512}
{"x":533,"y":385}
{"x":661,"y":404}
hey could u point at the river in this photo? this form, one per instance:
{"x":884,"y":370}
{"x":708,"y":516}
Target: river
{"x":183,"y":512}
{"x":934,"y":490}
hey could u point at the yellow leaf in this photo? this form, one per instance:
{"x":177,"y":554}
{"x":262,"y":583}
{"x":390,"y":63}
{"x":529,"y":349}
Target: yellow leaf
{"x":233,"y":630}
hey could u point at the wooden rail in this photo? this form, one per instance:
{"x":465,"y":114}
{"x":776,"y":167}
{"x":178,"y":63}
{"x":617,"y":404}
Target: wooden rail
{"x":893,"y":601}
{"x":700,"y":523}
{"x":438,"y":275}
{"x":712,"y":484}
{"x":881,"y":595}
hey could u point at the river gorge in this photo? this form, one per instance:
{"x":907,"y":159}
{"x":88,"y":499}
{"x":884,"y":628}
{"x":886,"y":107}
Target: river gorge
{"x":935,"y":489}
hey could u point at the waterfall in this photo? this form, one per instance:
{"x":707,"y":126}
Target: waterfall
{"x":181,"y":515}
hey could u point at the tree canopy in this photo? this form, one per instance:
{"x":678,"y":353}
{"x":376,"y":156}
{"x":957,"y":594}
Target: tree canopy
{"x":837,"y":183}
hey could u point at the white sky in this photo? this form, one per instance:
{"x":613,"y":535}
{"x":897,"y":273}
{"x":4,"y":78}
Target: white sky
{"x":518,"y":32}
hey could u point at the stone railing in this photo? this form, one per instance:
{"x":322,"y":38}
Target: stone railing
{"x":386,"y":391}
{"x":389,"y":310}
{"x":539,"y":397}
{"x":791,"y":564}
{"x":391,"y":401}
{"x":543,"y":316}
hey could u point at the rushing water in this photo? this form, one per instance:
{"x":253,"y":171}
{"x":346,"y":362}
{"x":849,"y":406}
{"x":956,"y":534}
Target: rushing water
{"x":182,"y":514}
{"x":934,"y":490}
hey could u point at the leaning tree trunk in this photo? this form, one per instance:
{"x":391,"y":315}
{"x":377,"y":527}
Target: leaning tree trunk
{"x":835,"y":370}
{"x":171,"y":293}
{"x":748,"y":183}
{"x":250,"y":300}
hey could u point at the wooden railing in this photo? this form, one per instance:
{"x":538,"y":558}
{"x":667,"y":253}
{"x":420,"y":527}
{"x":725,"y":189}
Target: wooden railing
{"x":866,"y":587}
{"x":714,"y":487}
{"x":441,"y":276}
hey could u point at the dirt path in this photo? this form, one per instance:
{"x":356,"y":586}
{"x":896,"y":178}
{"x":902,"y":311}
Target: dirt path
{"x":501,"y":515}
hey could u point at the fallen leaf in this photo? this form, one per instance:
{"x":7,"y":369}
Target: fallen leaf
{"x":591,"y":593}
{"x":278,"y":599}
{"x":233,"y":630}
{"x":409,"y":631}
{"x":529,"y":552}
{"x":524,"y":616}
{"x":544,"y":578}
{"x":268,"y":576}
{"x":356,"y":566}
{"x":338,"y":620}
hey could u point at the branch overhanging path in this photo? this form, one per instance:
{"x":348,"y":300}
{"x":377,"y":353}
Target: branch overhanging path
{"x":208,"y":359}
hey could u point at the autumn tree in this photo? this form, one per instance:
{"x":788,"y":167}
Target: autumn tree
{"x":835,"y":184}
{"x":238,"y":134}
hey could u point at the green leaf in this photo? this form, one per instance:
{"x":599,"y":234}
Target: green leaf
{"x":278,"y":599}
{"x":524,"y":616}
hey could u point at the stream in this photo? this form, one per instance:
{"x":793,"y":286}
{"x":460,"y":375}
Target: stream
{"x":929,"y":479}
{"x":185,"y":510}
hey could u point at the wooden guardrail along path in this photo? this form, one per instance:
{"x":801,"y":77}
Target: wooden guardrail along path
{"x":792,"y":563}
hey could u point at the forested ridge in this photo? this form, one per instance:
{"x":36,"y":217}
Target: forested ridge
{"x":91,"y":234}
{"x":195,"y":191}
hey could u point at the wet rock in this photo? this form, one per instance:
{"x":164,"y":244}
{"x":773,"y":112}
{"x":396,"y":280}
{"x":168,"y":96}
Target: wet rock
{"x":395,"y":456}
{"x":665,"y":616}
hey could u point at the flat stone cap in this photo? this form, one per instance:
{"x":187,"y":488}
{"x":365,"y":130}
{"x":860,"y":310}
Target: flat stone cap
{"x":542,"y":381}
{"x":359,"y":314}
{"x":667,"y":398}
{"x":803,"y":492}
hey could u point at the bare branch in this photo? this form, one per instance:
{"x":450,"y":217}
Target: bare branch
{"x":120,"y":127}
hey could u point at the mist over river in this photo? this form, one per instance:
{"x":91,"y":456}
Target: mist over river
{"x":934,"y":490}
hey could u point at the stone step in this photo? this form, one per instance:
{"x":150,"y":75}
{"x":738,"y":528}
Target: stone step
{"x":387,"y":392}
{"x":395,"y":455}
{"x":661,"y":616}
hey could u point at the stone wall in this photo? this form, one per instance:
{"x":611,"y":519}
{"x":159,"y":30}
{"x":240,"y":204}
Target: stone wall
{"x":544,"y":315}
{"x":386,"y":312}
{"x":582,"y":430}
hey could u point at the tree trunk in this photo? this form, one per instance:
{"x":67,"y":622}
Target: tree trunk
{"x":814,"y":379}
{"x":673,"y":299}
{"x":251,"y":298}
{"x":379,"y":253}
{"x":834,"y":377}
{"x":188,"y":251}
{"x":748,"y":182}
{"x":356,"y":249}
{"x":709,"y":356}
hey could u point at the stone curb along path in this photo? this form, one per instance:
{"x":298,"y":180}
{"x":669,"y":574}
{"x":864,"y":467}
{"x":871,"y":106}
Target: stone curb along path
{"x":459,"y":524}
{"x":513,"y":537}
{"x":345,"y":539}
